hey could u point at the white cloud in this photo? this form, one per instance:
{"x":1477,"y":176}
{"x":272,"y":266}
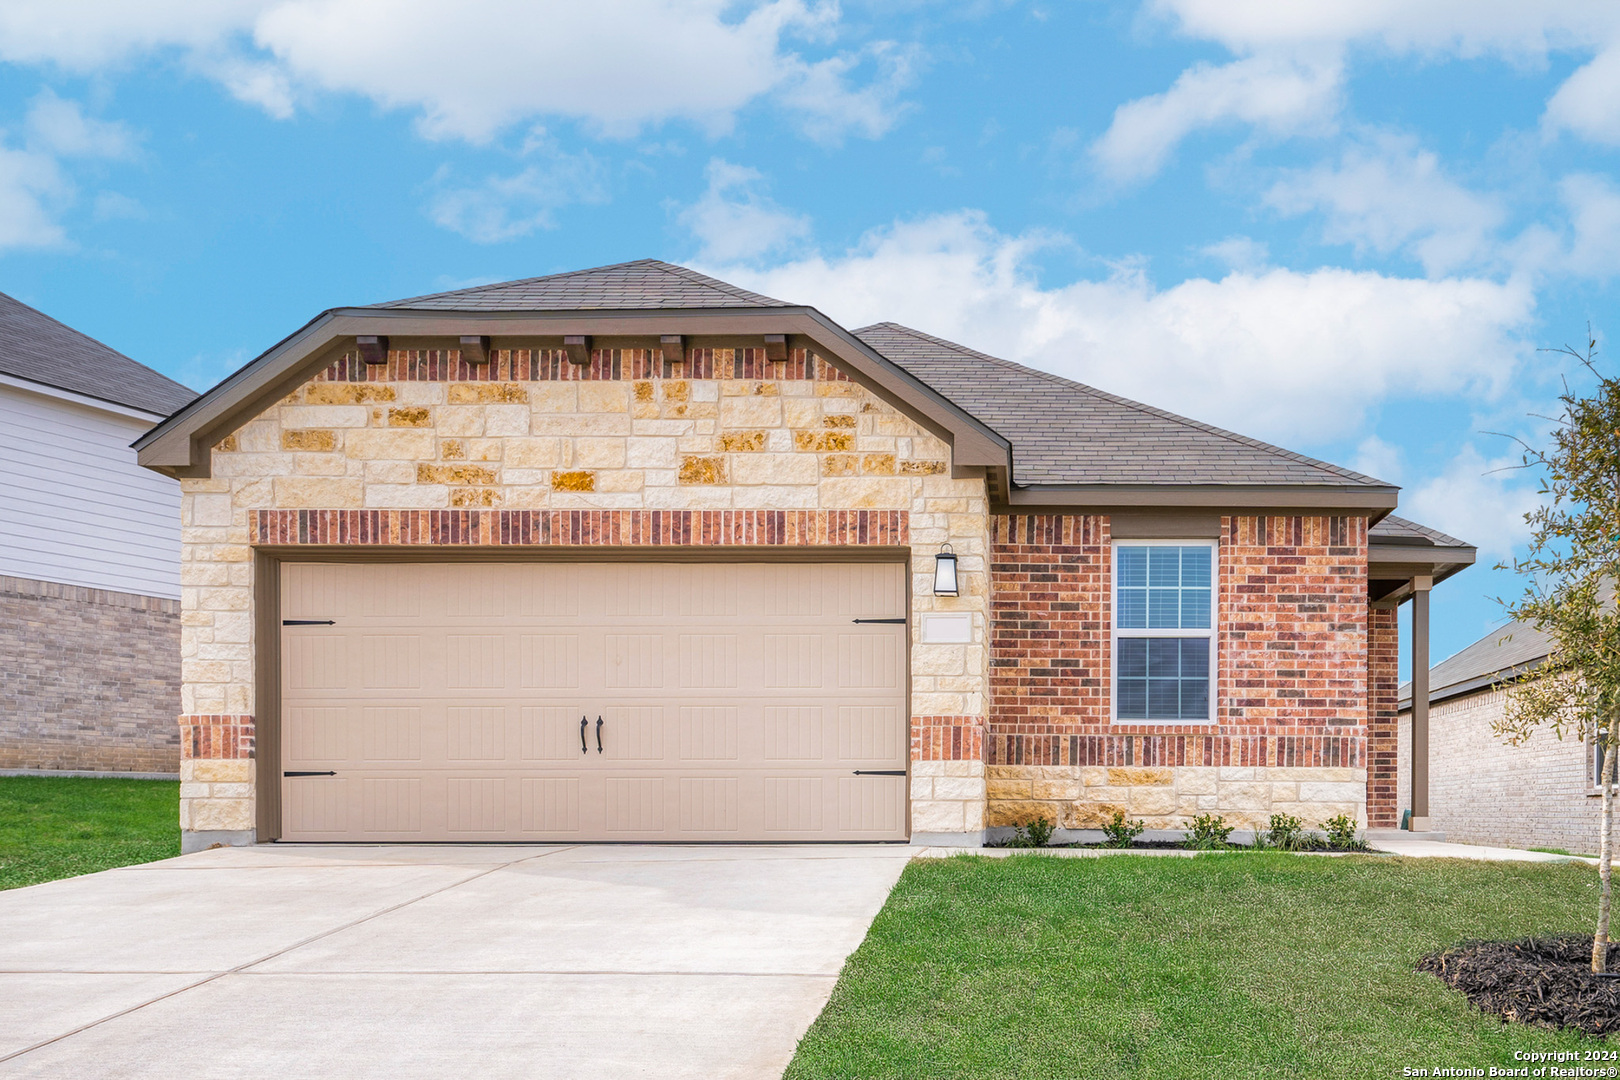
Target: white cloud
{"x":507,"y":207}
{"x":1280,"y":95}
{"x":471,"y":68}
{"x":1296,"y":357}
{"x":734,"y":221}
{"x":1287,"y":78}
{"x":58,"y":126}
{"x":32,"y":189}
{"x":1387,"y":194}
{"x":1239,"y":252}
{"x":1594,"y":210}
{"x":1478,"y":499}
{"x":1377,"y":458}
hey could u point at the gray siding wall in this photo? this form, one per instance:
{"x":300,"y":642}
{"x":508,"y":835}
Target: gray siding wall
{"x":75,"y":507}
{"x":90,"y":679}
{"x":1484,"y":791}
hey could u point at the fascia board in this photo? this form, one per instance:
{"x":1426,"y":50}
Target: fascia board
{"x":179,"y":445}
{"x":1233,"y":498}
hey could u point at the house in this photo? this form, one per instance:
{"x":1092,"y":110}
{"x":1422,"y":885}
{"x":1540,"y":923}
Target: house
{"x":633,"y":554}
{"x":89,"y":556}
{"x":1540,"y":793}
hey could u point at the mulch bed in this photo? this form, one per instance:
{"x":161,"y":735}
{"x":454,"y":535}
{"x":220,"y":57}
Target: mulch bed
{"x":1543,"y":981}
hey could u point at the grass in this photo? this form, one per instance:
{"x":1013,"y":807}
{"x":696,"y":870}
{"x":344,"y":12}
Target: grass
{"x":1260,"y":965}
{"x":55,"y":827}
{"x":1561,"y":851}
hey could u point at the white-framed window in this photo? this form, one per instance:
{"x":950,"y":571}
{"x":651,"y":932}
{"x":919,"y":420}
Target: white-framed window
{"x":1164,"y":631}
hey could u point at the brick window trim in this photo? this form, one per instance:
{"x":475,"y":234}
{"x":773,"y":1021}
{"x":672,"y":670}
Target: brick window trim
{"x":606,"y":365}
{"x":589,"y":528}
{"x":216,"y":737}
{"x":1064,"y":747}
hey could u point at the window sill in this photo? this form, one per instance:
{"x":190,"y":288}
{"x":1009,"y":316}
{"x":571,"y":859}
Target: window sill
{"x":1164,"y":723}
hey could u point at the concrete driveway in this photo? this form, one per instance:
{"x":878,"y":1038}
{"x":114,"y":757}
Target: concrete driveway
{"x":297,"y":961}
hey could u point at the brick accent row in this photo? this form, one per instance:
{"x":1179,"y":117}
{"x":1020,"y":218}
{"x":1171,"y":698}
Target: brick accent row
{"x":633,"y":528}
{"x":947,"y":738}
{"x":216,"y":737}
{"x":538,"y":365}
{"x":1246,"y":751}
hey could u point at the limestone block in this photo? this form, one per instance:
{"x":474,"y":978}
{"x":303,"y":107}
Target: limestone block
{"x":506,"y":420}
{"x":961,"y":768}
{"x":524,"y":453}
{"x":347,"y":393}
{"x":465,"y":475}
{"x":1066,"y":788}
{"x":936,"y":704}
{"x":1226,"y":773}
{"x":599,"y":453}
{"x":208,"y":509}
{"x":620,"y":480}
{"x":208,"y":815}
{"x":230,"y":466}
{"x":935,"y":815}
{"x":938,"y":659}
{"x":959,"y":787}
{"x":774,"y":498}
{"x":318,"y":492}
{"x":1240,"y":796}
{"x":216,"y":772}
{"x":742,"y":442}
{"x":389,"y":472}
{"x":751,"y":412}
{"x":575,"y":481}
{"x":648,"y":452}
{"x":487,"y":393}
{"x":1129,"y":777}
{"x":922,"y":787}
{"x":413,"y":416}
{"x":973,"y":815}
{"x":665,"y":428}
{"x":1092,"y":814}
{"x":865,"y":493}
{"x":764,"y":468}
{"x":464,"y":422}
{"x":1196,"y":781}
{"x":1152,"y":800}
{"x":407,"y":496}
{"x":839,"y":465}
{"x":604,"y":397}
{"x":1093,"y":777}
{"x":1331,"y":792}
{"x":399,"y":444}
{"x":324,"y":465}
{"x":1284,"y":792}
{"x":702,"y":470}
{"x":577,"y":424}
{"x":475,"y":497}
{"x":554,"y":397}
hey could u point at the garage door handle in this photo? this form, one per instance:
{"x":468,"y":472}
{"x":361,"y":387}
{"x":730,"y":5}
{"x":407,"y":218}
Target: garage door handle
{"x":583,"y":724}
{"x":328,"y":772}
{"x":880,"y":772}
{"x":896,"y":622}
{"x":598,"y":734}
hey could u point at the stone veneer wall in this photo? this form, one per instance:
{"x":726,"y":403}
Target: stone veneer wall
{"x":723,"y":448}
{"x":1291,"y":680}
{"x":1483,"y":790}
{"x":90,"y":679}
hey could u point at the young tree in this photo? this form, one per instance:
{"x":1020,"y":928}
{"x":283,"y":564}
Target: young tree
{"x":1573,"y":565}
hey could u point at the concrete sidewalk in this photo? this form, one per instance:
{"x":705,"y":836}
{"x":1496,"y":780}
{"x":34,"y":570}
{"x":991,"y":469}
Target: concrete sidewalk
{"x":286,"y":961}
{"x":1436,"y":849}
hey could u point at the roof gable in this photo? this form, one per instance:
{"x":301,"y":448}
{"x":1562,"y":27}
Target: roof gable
{"x":1064,"y":432}
{"x":645,"y":284}
{"x":36,"y":347}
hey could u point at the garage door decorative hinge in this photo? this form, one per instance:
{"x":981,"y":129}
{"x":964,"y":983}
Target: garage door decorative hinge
{"x":328,"y":772}
{"x":880,"y":772}
{"x":895,"y":621}
{"x":308,"y":622}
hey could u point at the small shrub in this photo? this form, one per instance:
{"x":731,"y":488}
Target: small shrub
{"x":1286,"y":833}
{"x":1208,"y":833}
{"x":1121,"y":832}
{"x":1341,"y":833}
{"x":1037,"y":833}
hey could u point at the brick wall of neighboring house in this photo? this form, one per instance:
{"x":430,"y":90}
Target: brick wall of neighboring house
{"x":725,"y":447}
{"x":90,"y":679}
{"x":1484,"y":791}
{"x":1291,"y":680}
{"x":1383,"y":697}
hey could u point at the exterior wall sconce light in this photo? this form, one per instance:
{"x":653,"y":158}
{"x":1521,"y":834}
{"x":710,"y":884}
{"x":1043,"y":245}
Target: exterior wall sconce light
{"x":945,"y":573}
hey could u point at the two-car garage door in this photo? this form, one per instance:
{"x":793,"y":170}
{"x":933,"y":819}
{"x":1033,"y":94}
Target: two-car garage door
{"x":593,"y":701}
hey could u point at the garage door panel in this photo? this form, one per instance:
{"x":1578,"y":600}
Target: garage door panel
{"x":736,"y":702}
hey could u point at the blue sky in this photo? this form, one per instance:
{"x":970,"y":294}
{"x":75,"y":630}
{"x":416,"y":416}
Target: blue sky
{"x":1344,"y":226}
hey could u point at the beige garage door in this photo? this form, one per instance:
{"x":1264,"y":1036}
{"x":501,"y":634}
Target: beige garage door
{"x":593,"y":701}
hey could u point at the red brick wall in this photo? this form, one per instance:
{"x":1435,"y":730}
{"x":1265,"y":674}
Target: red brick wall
{"x":1291,"y":677}
{"x":215,"y":737}
{"x":1383,"y":729}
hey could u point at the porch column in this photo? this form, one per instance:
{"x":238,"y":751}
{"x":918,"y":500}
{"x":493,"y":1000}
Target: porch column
{"x":1420,"y":702}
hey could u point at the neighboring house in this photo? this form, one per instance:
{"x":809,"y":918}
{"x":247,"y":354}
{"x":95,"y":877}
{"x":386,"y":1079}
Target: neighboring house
{"x":1541,"y":793}
{"x":89,"y":556}
{"x":633,"y":554}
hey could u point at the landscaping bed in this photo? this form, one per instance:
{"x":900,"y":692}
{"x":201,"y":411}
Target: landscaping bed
{"x":1546,"y":981}
{"x":61,"y":826}
{"x":1263,"y":965}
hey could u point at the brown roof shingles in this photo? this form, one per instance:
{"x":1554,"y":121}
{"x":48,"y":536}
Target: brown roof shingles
{"x":646,"y":284}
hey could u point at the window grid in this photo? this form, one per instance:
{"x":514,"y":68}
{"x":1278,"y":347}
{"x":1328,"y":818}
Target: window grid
{"x":1163,"y":631}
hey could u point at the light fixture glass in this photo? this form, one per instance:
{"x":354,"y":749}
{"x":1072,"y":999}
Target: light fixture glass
{"x":945,"y":573}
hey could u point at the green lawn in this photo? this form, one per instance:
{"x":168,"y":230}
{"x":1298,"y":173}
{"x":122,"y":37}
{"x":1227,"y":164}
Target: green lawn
{"x":55,"y":827}
{"x":1242,"y":965}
